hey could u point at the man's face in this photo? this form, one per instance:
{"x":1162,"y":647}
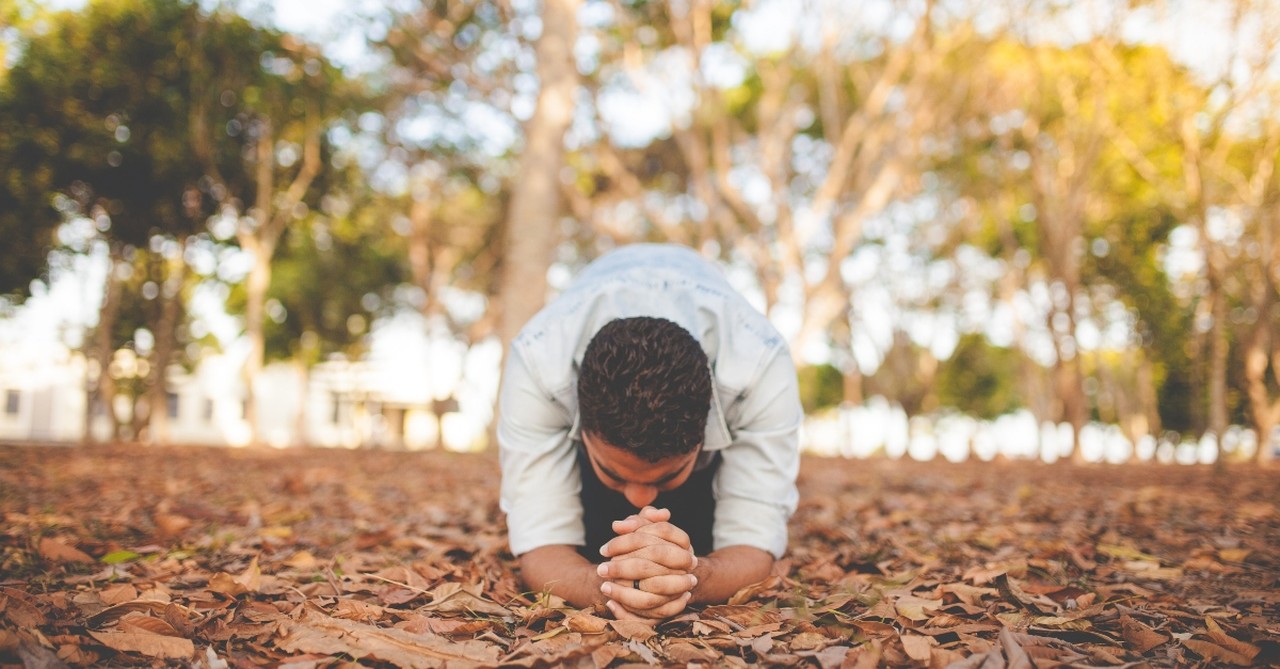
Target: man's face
{"x":637,"y":479}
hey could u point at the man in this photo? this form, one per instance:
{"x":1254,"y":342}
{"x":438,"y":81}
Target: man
{"x":648,"y":422}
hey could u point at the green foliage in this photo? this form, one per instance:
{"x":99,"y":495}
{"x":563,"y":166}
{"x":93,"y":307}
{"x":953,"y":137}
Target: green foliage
{"x":821,"y":387}
{"x":331,"y":278}
{"x":980,"y":379}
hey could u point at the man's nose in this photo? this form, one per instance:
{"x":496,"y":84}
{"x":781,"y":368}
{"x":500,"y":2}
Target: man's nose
{"x":640,"y":496}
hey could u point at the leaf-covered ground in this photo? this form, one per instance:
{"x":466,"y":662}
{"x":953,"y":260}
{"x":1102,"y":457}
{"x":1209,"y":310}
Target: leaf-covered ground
{"x":321,"y":558}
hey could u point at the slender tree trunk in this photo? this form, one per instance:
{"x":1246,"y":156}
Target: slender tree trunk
{"x":166,"y":339}
{"x":1219,"y":347}
{"x":300,"y":432}
{"x":104,"y":348}
{"x":256,"y":285}
{"x":271,"y":214}
{"x":533,"y":220}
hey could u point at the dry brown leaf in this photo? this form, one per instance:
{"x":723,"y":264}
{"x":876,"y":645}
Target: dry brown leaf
{"x":1234,"y":554}
{"x":354,"y":609}
{"x":866,"y":656}
{"x":56,"y":551}
{"x":686,"y":652}
{"x":144,"y":624}
{"x":918,"y":648}
{"x":831,"y":657}
{"x":967,"y":593}
{"x":750,"y":592}
{"x":22,"y":613}
{"x":250,"y":580}
{"x":332,"y":636}
{"x":915,"y":608}
{"x":302,"y":560}
{"x":1212,"y":651}
{"x":1229,"y":642}
{"x":1139,"y":637}
{"x":605,"y":655}
{"x":118,"y":593}
{"x":171,"y":524}
{"x":741,"y":614}
{"x":633,"y":630}
{"x":809,"y":641}
{"x":463,"y":598}
{"x":585,"y":623}
{"x":144,"y":643}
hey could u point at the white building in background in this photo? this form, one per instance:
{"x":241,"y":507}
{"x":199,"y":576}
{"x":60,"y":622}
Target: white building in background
{"x":336,"y":404}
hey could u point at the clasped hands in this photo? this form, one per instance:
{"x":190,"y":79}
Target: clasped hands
{"x":649,"y":574}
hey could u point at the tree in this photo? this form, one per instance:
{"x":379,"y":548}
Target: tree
{"x":146,"y":119}
{"x":533,"y":218}
{"x":1226,"y":136}
{"x":286,"y":96}
{"x":97,"y":130}
{"x":979,"y":379}
{"x":782,"y":170}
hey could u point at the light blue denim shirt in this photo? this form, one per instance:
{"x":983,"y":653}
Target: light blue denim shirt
{"x":753,"y":423}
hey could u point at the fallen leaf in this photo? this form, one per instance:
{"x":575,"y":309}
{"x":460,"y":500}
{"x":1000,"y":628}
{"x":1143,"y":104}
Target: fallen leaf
{"x":462,"y":598}
{"x":171,"y":524}
{"x":118,"y":594}
{"x":1212,"y":651}
{"x":586,"y":623}
{"x":1125,"y":552}
{"x":56,"y":551}
{"x":1234,"y":554}
{"x":633,"y":630}
{"x":914,"y":608}
{"x":333,"y":636}
{"x":918,"y":648}
{"x":303,"y":560}
{"x":250,"y":580}
{"x":144,"y":643}
{"x":686,"y":652}
{"x":1229,"y":642}
{"x":143,"y":624}
{"x":750,"y":592}
{"x":1139,"y":637}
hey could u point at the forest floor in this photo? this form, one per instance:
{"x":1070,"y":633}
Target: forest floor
{"x":325,"y":558}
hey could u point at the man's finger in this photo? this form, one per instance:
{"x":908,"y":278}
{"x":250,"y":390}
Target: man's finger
{"x":669,"y":586}
{"x":636,"y":600}
{"x":656,"y":614}
{"x":668,"y":532}
{"x":630,"y":568}
{"x":653,"y":548}
{"x":655,"y":515}
{"x":648,"y":515}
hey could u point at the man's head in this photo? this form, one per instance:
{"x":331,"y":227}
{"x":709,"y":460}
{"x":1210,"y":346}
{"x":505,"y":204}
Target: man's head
{"x":645,"y":388}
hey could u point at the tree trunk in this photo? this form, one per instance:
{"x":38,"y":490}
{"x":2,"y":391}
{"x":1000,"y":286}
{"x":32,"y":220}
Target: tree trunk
{"x":1218,"y":351}
{"x":300,"y":431}
{"x":103,"y":348}
{"x":533,"y":220}
{"x":166,"y":341}
{"x":271,"y":214}
{"x":254,"y":317}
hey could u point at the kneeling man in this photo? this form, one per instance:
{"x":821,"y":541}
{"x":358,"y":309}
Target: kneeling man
{"x":648,"y":430}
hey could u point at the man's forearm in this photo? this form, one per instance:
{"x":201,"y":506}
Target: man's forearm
{"x":564,"y":573}
{"x":728,"y":570}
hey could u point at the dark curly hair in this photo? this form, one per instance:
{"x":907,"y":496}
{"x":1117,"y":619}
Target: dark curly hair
{"x":645,"y":386}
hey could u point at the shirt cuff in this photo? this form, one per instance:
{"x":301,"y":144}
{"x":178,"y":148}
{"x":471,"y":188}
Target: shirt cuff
{"x":544,"y":521}
{"x":742,"y":521}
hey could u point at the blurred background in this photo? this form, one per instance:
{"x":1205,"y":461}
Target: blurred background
{"x":1032,"y":229}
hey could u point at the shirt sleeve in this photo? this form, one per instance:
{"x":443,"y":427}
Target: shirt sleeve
{"x":755,"y":485}
{"x":540,"y":490}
